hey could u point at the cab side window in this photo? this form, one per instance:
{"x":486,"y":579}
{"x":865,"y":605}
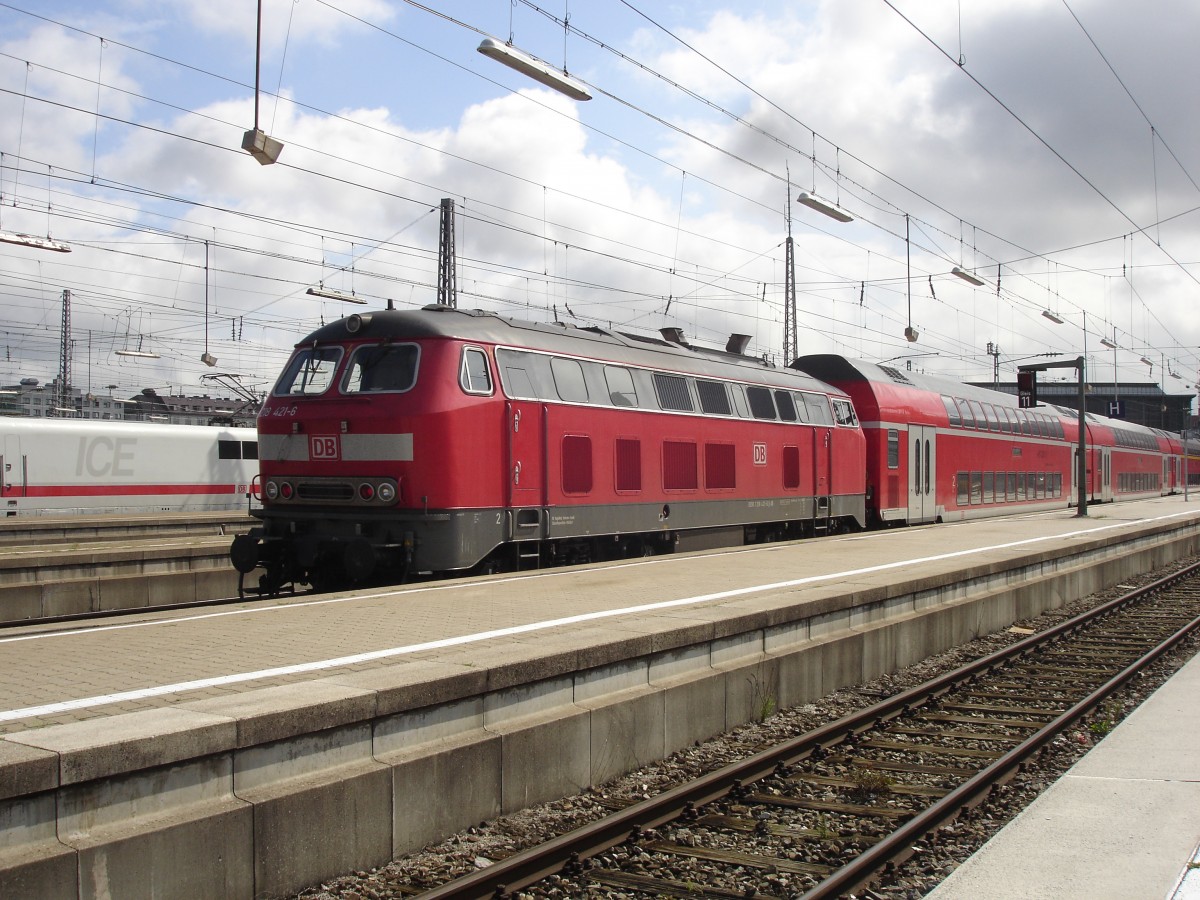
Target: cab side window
{"x":475,"y":375}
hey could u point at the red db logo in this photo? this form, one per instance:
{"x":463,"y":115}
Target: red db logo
{"x":760,"y":454}
{"x":323,"y":447}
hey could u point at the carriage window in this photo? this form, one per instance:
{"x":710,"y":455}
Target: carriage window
{"x":951,"y":410}
{"x":843,"y":411}
{"x":229,"y":449}
{"x":979,"y":415}
{"x":568,"y":380}
{"x":249,"y":449}
{"x":761,"y":404}
{"x":714,"y":398}
{"x":968,"y":417}
{"x":672,"y":392}
{"x":893,"y":448}
{"x":310,"y":371}
{"x":382,"y":367}
{"x":476,"y":376}
{"x":621,"y":391}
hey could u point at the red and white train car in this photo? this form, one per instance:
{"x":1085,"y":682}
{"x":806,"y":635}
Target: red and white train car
{"x":73,"y":466}
{"x":938,"y":450}
{"x":441,"y":439}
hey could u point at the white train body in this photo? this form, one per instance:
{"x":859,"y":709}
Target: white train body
{"x":72,"y":466}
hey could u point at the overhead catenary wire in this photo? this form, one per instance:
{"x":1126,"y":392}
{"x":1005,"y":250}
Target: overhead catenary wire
{"x":681,"y":261}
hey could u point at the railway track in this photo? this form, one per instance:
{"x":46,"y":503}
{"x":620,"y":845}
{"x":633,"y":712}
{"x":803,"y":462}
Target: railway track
{"x":829,"y":812}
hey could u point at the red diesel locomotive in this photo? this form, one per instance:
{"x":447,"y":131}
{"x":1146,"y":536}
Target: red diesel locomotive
{"x":938,"y":450}
{"x":438,"y":440}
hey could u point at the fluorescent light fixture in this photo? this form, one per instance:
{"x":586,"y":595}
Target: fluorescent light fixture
{"x":821,"y":206}
{"x":1111,"y":345}
{"x":140,"y":354}
{"x":64,"y":409}
{"x":335,"y":295}
{"x":911,"y":334}
{"x":1052,"y":317}
{"x":534,"y":68}
{"x":1176,"y":375}
{"x":29,"y":240}
{"x":1147,"y":362}
{"x":208,"y":359}
{"x":261,"y":146}
{"x":967,"y":276}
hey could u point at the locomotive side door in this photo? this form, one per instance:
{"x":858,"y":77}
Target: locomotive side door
{"x":526,"y":473}
{"x":822,"y":466}
{"x":922,"y":474}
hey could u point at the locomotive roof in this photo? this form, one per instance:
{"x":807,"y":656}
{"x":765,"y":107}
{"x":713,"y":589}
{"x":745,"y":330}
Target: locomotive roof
{"x":592,"y":342}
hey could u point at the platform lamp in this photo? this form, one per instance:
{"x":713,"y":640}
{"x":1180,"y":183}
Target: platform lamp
{"x":256,"y":142}
{"x":29,"y":240}
{"x":812,"y":201}
{"x":967,"y":276}
{"x":530,"y":65}
{"x":330,"y":294}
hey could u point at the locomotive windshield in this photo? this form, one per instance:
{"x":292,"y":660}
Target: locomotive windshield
{"x":310,"y":371}
{"x":382,"y":367}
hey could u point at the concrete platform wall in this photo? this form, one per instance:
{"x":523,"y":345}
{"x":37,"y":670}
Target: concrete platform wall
{"x":263,"y":793}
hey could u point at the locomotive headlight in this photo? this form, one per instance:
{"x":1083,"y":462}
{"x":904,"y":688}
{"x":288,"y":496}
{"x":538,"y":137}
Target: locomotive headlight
{"x":366,"y":491}
{"x":271,"y":490}
{"x":285,"y":490}
{"x":387,"y":492}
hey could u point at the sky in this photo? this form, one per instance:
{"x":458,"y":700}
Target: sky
{"x":1050,"y":147}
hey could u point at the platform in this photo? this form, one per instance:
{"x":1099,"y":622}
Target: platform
{"x":265,"y":747}
{"x":1122,"y":824}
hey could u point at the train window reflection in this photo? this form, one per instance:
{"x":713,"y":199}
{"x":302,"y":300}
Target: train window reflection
{"x":569,"y":380}
{"x":818,"y":409}
{"x":310,"y":371}
{"x":382,"y":367}
{"x":621,"y":389}
{"x":787,"y":407}
{"x":761,"y":404}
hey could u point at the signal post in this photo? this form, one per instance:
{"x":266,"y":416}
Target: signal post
{"x":1027,"y":399}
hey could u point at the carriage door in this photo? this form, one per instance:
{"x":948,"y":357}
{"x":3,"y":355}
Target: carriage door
{"x":526,"y":467}
{"x":1106,"y":491}
{"x":922,"y":474}
{"x":12,"y":469}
